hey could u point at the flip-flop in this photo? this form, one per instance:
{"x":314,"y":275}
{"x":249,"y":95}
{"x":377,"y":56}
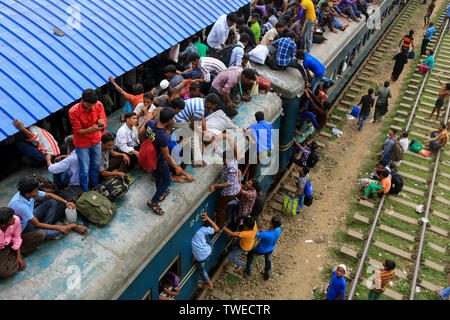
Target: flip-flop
{"x":165,"y":195}
{"x":77,"y":229}
{"x":156,"y":208}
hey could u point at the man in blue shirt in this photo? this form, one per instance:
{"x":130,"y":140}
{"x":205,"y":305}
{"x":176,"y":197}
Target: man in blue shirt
{"x":337,"y":287}
{"x":265,"y":247}
{"x":313,"y":64}
{"x":426,"y":38}
{"x":201,"y":248}
{"x":238,"y":51}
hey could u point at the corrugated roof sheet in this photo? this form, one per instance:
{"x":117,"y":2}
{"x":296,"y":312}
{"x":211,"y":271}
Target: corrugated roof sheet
{"x":41,"y":72}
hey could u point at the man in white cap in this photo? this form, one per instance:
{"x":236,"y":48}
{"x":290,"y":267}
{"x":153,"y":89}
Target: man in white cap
{"x":337,"y":286}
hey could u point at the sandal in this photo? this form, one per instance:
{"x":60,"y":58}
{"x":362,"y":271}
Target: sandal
{"x":164,"y":195}
{"x":199,"y":165}
{"x":80,"y":229}
{"x":156,"y":208}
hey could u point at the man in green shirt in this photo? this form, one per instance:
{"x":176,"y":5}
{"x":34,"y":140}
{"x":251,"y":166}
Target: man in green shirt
{"x":255,"y":27}
{"x":202,"y":49}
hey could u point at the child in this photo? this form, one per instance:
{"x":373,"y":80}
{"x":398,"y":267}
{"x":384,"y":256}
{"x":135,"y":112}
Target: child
{"x":443,"y":93}
{"x":383,"y":277}
{"x":176,"y":145}
{"x":249,"y":192}
{"x":194,"y":91}
{"x":169,"y":289}
{"x":337,"y":286}
{"x":255,"y":27}
{"x":144,"y":108}
{"x":376,"y":187}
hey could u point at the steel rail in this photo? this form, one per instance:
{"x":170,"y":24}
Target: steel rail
{"x":367,"y":244}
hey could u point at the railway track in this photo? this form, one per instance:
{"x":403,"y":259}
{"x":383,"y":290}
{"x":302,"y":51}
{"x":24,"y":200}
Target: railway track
{"x":427,"y":182}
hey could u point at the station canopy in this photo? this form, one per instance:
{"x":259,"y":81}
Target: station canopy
{"x":51,"y":50}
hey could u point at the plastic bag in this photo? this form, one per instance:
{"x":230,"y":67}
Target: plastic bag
{"x":71,"y":215}
{"x":337,"y":132}
{"x":174,"y":52}
{"x":259,"y":54}
{"x":419,"y":208}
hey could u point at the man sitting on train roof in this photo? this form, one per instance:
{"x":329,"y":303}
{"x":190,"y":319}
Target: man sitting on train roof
{"x":14,"y":244}
{"x":112,"y":163}
{"x":44,"y":217}
{"x":65,"y":167}
{"x":194,"y":72}
{"x":38,"y":144}
{"x":135,"y":98}
{"x":326,"y":18}
{"x":231,"y":82}
{"x":127,"y":138}
{"x":285,"y":52}
{"x":272,"y":35}
{"x":170,"y":72}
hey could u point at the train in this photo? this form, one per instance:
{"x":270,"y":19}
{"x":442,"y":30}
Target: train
{"x":127,"y":259}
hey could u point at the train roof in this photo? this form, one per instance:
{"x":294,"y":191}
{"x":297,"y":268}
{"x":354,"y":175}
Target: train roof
{"x":109,"y":258}
{"x":293,"y":85}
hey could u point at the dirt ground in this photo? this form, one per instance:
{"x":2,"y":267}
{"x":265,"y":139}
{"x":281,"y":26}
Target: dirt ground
{"x":296,"y":264}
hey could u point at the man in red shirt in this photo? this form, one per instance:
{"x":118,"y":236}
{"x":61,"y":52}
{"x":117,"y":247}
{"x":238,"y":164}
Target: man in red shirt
{"x":88,"y":121}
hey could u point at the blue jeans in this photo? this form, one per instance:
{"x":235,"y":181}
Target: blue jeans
{"x":434,"y":144}
{"x":162,"y":179}
{"x":232,"y":208}
{"x":89,"y":163}
{"x":315,"y":81}
{"x":31,"y":152}
{"x":338,"y":11}
{"x":233,"y":255}
{"x":349,"y":11}
{"x":267,"y":260}
{"x":307,"y":34}
{"x":47,"y":213}
{"x":362,"y":118}
{"x":202,"y":270}
{"x":301,"y":198}
{"x":336,"y":23}
{"x":356,"y":11}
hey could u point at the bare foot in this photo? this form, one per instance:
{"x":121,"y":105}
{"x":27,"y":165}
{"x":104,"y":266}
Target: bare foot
{"x":364,"y":198}
{"x":179,"y":179}
{"x":344,"y":27}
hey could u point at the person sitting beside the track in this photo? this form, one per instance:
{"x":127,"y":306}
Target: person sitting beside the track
{"x":378,"y":187}
{"x":404,"y":142}
{"x":336,"y":288}
{"x":439,"y":137}
{"x":428,"y":63}
{"x":443,"y":93}
{"x":387,"y":146}
{"x":383,"y":277}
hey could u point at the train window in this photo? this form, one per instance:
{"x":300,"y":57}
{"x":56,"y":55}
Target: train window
{"x":147,"y":295}
{"x":170,"y":277}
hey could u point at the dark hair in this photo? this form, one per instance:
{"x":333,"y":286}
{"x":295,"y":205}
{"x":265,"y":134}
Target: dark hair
{"x":393,"y":130}
{"x":430,"y":24}
{"x":405,"y":133}
{"x":107,"y":137}
{"x":431,"y":51}
{"x":443,"y":125}
{"x":129,"y":115}
{"x":385,"y":173}
{"x":290,"y":34}
{"x":386,"y":84}
{"x":383,"y":162}
{"x":279,"y":24}
{"x":314,"y":146}
{"x":246,"y":56}
{"x":166,"y":281}
{"x":230,"y":112}
{"x":89,"y":96}
{"x":300,"y":54}
{"x":5,"y":214}
{"x":178,"y":103}
{"x":149,"y":95}
{"x":232,"y":17}
{"x":265,"y":19}
{"x":370,"y":91}
{"x":193,"y":56}
{"x":166,"y":115}
{"x":255,"y":15}
{"x":271,"y":10}
{"x":249,"y":73}
{"x":27,"y":185}
{"x":249,"y":222}
{"x":276,"y":222}
{"x":244,"y":37}
{"x":137,"y":88}
{"x":390,"y":265}
{"x":256,"y":185}
{"x":212,"y":98}
{"x":171,"y":92}
{"x":327,"y":105}
{"x":411,"y":32}
{"x":194,"y":86}
{"x":170,"y":69}
{"x":240,"y":21}
{"x":259,"y":116}
{"x":305,"y":170}
{"x":447,"y":85}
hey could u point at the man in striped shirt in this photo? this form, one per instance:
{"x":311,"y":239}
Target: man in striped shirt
{"x":439,"y":137}
{"x":41,"y":143}
{"x":211,"y":67}
{"x":380,"y":282}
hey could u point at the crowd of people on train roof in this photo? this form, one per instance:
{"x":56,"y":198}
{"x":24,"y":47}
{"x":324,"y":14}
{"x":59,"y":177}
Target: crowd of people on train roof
{"x":202,"y":89}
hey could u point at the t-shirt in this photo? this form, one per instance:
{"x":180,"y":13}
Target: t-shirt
{"x":386,"y":184}
{"x":247,"y":238}
{"x":24,"y":208}
{"x":367,"y":103}
{"x":314,"y":65}
{"x":448,"y":11}
{"x":157,"y":135}
{"x":194,"y":109}
{"x":269,"y":36}
{"x":200,"y":248}
{"x":337,"y":286}
{"x":429,"y":62}
{"x":138,"y":110}
{"x":104,"y":160}
{"x":256,"y":30}
{"x":268,"y":240}
{"x":262,"y":132}
{"x":218,"y":122}
{"x":134,"y":99}
{"x":308,"y":5}
{"x":202,"y":49}
{"x":383,"y":95}
{"x":429,"y":33}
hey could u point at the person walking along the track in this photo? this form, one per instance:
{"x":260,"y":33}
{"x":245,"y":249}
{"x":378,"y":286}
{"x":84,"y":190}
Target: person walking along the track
{"x":401,"y":59}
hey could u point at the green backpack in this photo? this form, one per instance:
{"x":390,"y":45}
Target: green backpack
{"x":96,"y":208}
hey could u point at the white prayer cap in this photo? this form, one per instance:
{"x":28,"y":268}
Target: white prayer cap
{"x":164,"y":84}
{"x":343,"y":267}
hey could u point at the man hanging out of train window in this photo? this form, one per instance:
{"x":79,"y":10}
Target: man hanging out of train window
{"x":383,"y":277}
{"x":38,"y":144}
{"x":232,"y":82}
{"x":112,"y":163}
{"x":231,"y":188}
{"x":313,"y":64}
{"x":44,"y":217}
{"x":65,"y":166}
{"x":168,"y":289}
{"x":157,"y":132}
{"x":14,"y":244}
{"x":127,"y":138}
{"x":265,"y":247}
{"x":439,"y":137}
{"x":201,"y":248}
{"x":245,"y":244}
{"x":285,"y":52}
{"x":88,"y":121}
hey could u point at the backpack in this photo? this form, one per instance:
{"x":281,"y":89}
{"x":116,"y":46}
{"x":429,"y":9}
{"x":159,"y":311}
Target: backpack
{"x":71,"y":193}
{"x":313,"y":158}
{"x":396,"y":183}
{"x":147,"y":155}
{"x":318,"y":38}
{"x":44,"y":183}
{"x":96,"y":208}
{"x":397,"y":152}
{"x":224,"y":54}
{"x":115,"y":187}
{"x":308,"y":200}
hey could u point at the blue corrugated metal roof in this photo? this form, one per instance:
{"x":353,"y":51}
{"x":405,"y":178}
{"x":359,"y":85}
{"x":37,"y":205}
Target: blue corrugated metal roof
{"x":41,"y":72}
